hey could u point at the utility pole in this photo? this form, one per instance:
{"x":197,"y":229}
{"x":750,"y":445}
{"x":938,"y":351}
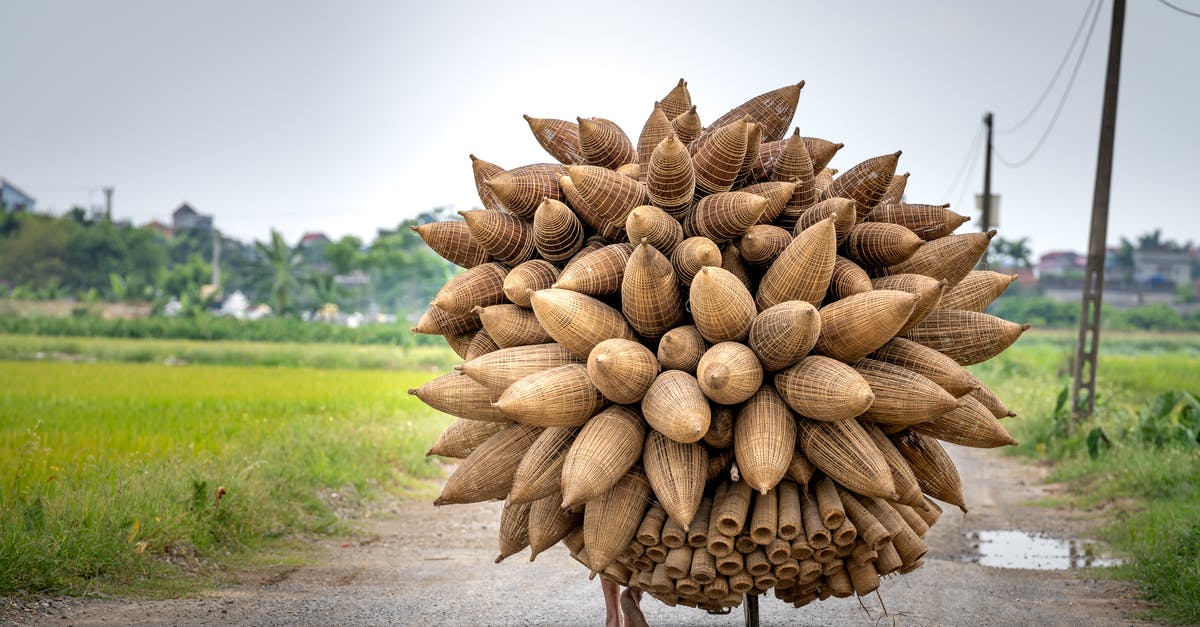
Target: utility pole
{"x":985,"y":216}
{"x":108,"y":194}
{"x":1082,"y":404}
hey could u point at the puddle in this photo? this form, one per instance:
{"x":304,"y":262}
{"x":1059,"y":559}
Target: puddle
{"x":1019,"y":549}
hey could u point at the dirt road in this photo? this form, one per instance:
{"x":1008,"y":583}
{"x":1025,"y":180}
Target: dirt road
{"x":434,"y":566}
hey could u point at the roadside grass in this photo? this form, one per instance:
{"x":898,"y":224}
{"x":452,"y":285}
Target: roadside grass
{"x":110,"y":474}
{"x":1134,"y":458}
{"x":309,"y":355}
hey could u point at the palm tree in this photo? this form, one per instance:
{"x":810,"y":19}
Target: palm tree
{"x":281,"y":263}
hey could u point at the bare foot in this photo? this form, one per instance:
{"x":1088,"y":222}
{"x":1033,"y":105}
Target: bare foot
{"x":631,"y":607}
{"x":612,"y":613}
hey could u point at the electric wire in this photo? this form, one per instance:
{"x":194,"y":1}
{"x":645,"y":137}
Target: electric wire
{"x":962,"y":168}
{"x":966,"y":181}
{"x":1180,"y":9}
{"x":1053,"y":79}
{"x":1017,"y":163}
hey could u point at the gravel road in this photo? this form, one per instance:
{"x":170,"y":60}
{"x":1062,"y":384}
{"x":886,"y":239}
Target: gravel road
{"x":422,"y":565}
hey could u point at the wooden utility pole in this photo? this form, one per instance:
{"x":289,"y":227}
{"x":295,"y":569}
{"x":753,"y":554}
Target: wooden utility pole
{"x":1083,"y":396}
{"x":108,"y":194}
{"x":985,"y":205}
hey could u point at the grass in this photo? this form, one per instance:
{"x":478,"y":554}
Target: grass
{"x":1152,"y":490}
{"x":310,"y":355}
{"x":110,"y":473}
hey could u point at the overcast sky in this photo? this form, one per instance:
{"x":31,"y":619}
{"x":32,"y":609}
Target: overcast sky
{"x":345,"y":117}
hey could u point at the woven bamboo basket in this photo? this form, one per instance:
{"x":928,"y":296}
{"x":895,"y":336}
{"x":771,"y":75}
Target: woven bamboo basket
{"x":500,"y":369}
{"x":843,"y":210}
{"x":911,"y":518}
{"x":679,"y":562}
{"x":480,"y":286}
{"x":927,"y":290}
{"x":681,"y":349}
{"x":866,"y":182}
{"x":985,"y":395}
{"x":761,"y":244}
{"x":531,"y":276}
{"x":510,"y":325}
{"x":720,"y":428}
{"x":605,"y":449}
{"x":482,"y":171}
{"x":795,"y":164}
{"x":578,"y":322}
{"x":971,"y":424}
{"x":829,"y":504}
{"x":875,"y":244}
{"x":731,"y":510}
{"x":724,"y":216}
{"x":816,"y":535}
{"x":895,"y":190}
{"x":539,"y":474}
{"x":931,"y":465}
{"x":622,"y":370}
{"x":732,"y":262}
{"x":929,"y":222}
{"x":504,"y":236}
{"x":697,"y":535}
{"x":673,"y":535}
{"x":463,"y":436}
{"x":459,"y":343}
{"x":976,"y":291}
{"x":872,"y":532}
{"x":855,"y":326}
{"x":929,"y":364}
{"x":519,"y":191}
{"x":649,"y":532}
{"x":481,"y":344}
{"x":650,"y":296}
{"x":907,"y":543}
{"x":611,"y":519}
{"x":721,"y":306}
{"x":774,"y":110}
{"x":687,"y":125}
{"x":967,"y":337}
{"x":902,"y":475}
{"x":951,"y":258}
{"x":753,"y":141}
{"x":788,"y":517}
{"x":729,"y":373}
{"x":655,"y":227}
{"x":557,"y":233}
{"x":670,"y":177}
{"x":847,"y":279}
{"x":783,"y":334}
{"x":657,"y":128}
{"x":604,"y":144}
{"x":437,"y":321}
{"x":802,"y":270}
{"x":844,"y":537}
{"x":487,"y":473}
{"x":778,"y":195}
{"x":821,"y":151}
{"x":451,"y":239}
{"x":717,"y":157}
{"x":549,"y":524}
{"x":764,"y":523}
{"x":823,"y":181}
{"x":757,"y":563}
{"x":598,"y":273}
{"x":844,"y":451}
{"x":692,"y":254}
{"x":677,"y":475}
{"x":764,"y":161}
{"x":731,"y":564}
{"x":764,"y":436}
{"x":558,"y":397}
{"x":675,"y":406}
{"x":633,"y":171}
{"x":514,"y":529}
{"x":863,"y":577}
{"x":607,"y":198}
{"x":902,"y":397}
{"x":677,"y":101}
{"x":460,"y":396}
{"x":824,"y":389}
{"x":560,"y":138}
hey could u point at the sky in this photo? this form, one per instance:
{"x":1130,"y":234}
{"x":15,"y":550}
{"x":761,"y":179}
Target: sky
{"x":347,"y":117}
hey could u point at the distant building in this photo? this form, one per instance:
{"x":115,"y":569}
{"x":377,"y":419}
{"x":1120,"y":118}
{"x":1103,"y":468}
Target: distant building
{"x":1060,"y":263}
{"x":314,"y":238}
{"x":185,"y":217}
{"x":164,"y":230}
{"x":12,"y":197}
{"x":1162,"y":267}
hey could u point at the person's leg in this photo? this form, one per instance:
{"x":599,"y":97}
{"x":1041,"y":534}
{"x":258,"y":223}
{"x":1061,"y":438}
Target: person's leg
{"x":631,"y":607}
{"x":612,"y":611}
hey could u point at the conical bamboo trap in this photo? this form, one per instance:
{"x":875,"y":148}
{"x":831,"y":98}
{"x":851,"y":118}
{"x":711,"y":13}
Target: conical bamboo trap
{"x":707,"y":363}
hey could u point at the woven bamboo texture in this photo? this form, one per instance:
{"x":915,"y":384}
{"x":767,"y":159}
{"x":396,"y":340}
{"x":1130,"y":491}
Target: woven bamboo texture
{"x":549,"y":524}
{"x":732,"y":262}
{"x":829,"y":504}
{"x":967,"y":337}
{"x":670,"y":177}
{"x":557,"y":233}
{"x":764,"y":161}
{"x":907,"y":487}
{"x":558,"y":397}
{"x":721,"y":306}
{"x":873,"y":533}
{"x":633,"y":171}
{"x":847,"y":279}
{"x":933,"y":468}
{"x":823,"y":181}
{"x":681,"y":349}
{"x":777,"y":195}
{"x":968,"y":425}
{"x":655,"y":227}
{"x":687,"y":125}
{"x":487,"y":473}
{"x":482,"y":171}
{"x":578,"y":322}
{"x":460,"y":396}
{"x":676,"y":472}
{"x":895,"y":190}
{"x":928,"y":291}
{"x":976,"y":291}
{"x":866,"y":182}
{"x":951,"y":258}
{"x":437,"y":321}
{"x":773,"y":110}
{"x":598,"y":273}
{"x":821,"y":151}
{"x":531,"y":276}
{"x":843,"y":210}
{"x":657,"y":128}
{"x":611,"y":520}
{"x":824,"y":389}
{"x":500,"y":369}
{"x":928,"y":222}
{"x":677,"y":101}
{"x":649,"y":532}
{"x":480,"y":286}
{"x":459,"y":342}
{"x":875,"y":244}
{"x":604,"y":144}
{"x":729,"y":373}
{"x":802,"y":270}
{"x":560,"y":138}
{"x":783,"y":334}
{"x":753,"y":141}
{"x":514,"y":529}
{"x":481,"y":344}
{"x":815,"y":534}
{"x":788,"y":516}
{"x":724,"y":216}
{"x":928,"y":363}
{"x":463,"y":436}
{"x":764,"y":436}
{"x":539,"y":474}
{"x":730,"y":511}
{"x":509,"y":325}
{"x":902,"y":397}
{"x":451,"y":239}
{"x":720,"y":428}
{"x":717,"y":157}
{"x":622,"y":370}
{"x":857,"y":325}
{"x":605,"y":449}
{"x":698,"y":530}
{"x":692,"y":254}
{"x":608,"y":198}
{"x":764,"y":523}
{"x":676,"y":407}
{"x":761,"y":244}
{"x":650,"y":296}
{"x":520,"y":190}
{"x":795,"y":164}
{"x":985,"y":395}
{"x":844,"y":451}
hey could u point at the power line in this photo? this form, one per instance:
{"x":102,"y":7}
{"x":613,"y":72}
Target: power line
{"x":1063,"y":101}
{"x":1180,"y":9}
{"x":1053,"y":79}
{"x":972,"y":150}
{"x":966,"y":181}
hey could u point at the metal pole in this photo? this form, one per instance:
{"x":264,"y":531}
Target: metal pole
{"x":751,"y":610}
{"x":1083,"y":404}
{"x":985,"y":213}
